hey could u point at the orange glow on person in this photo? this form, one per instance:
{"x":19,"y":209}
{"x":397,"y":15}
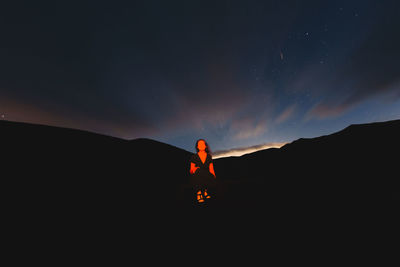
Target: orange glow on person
{"x":202,"y":153}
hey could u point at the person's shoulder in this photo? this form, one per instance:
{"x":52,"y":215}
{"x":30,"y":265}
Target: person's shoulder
{"x":193,"y":157}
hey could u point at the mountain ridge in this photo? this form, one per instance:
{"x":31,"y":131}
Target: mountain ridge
{"x":352,"y":165}
{"x":351,"y":127}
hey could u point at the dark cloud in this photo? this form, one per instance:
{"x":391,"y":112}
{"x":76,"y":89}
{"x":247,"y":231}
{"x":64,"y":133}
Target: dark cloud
{"x":117,"y":123}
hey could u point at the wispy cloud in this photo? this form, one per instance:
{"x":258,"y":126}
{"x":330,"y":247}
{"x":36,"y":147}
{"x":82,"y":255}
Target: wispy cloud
{"x":370,"y":70}
{"x":286,"y":114}
{"x":324,"y":110}
{"x":23,"y":111}
{"x":248,"y":127}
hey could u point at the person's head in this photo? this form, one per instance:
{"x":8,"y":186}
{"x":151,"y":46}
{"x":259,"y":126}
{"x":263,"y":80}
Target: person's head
{"x":201,"y":145}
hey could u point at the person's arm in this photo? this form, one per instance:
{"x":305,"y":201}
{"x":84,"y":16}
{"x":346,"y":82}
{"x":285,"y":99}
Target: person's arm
{"x":211,"y":167}
{"x":193,"y":168}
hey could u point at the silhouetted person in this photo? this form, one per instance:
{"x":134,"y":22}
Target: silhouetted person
{"x":202,"y":171}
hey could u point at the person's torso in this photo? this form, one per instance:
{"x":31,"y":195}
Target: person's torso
{"x":203,"y":161}
{"x":203,"y":157}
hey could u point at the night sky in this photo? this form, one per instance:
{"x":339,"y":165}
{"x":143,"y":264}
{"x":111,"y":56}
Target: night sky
{"x":236,"y":73}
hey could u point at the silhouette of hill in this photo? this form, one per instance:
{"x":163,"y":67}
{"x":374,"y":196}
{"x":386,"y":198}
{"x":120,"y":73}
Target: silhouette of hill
{"x":355,"y":166}
{"x":57,"y":168}
{"x":65,"y":169}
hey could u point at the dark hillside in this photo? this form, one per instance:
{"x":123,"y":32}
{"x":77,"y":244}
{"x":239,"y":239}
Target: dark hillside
{"x":71,"y":169}
{"x":356,"y":165}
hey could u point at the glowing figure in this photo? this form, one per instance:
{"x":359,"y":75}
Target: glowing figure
{"x":202,"y":171}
